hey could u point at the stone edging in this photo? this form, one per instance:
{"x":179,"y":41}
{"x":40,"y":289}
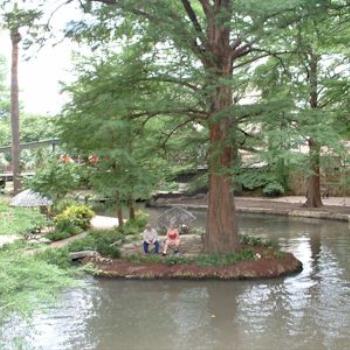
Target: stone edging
{"x":283,"y":212}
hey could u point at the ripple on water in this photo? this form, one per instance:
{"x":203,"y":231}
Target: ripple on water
{"x":310,"y":310}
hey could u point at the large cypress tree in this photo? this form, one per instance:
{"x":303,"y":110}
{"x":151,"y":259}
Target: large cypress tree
{"x":219,"y":37}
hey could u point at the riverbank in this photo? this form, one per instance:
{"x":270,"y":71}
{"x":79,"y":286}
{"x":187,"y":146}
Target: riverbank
{"x":264,"y":263}
{"x":335,"y":208}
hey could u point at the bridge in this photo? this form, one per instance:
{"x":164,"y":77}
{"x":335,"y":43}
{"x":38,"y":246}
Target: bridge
{"x":33,"y":145}
{"x":8,"y":175}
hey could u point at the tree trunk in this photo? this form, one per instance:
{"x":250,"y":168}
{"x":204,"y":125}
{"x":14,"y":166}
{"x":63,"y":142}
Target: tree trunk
{"x":313,"y":192}
{"x":16,"y":151}
{"x":221,"y":233}
{"x":131,"y":208}
{"x":119,"y":210}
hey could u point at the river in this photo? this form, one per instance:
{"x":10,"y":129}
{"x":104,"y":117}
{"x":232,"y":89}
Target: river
{"x":310,"y":310}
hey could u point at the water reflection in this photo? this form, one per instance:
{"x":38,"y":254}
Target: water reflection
{"x":310,"y":310}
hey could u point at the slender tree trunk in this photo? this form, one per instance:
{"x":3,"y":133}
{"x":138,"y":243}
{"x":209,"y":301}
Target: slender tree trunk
{"x":119,"y":210}
{"x":131,"y":208}
{"x":16,"y":151}
{"x":313,"y":193}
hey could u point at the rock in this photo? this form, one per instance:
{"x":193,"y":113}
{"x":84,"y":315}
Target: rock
{"x":44,"y":240}
{"x":84,"y":254}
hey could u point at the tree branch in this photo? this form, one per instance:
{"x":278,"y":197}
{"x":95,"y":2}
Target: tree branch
{"x":206,"y":7}
{"x":178,"y":126}
{"x":192,"y":16}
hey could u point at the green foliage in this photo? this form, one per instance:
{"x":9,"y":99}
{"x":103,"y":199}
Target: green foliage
{"x":105,"y":242}
{"x":199,"y":184}
{"x":204,"y":260}
{"x":28,"y":280}
{"x":63,"y":204}
{"x":17,"y":220}
{"x":74,"y":217}
{"x":59,"y":235}
{"x":256,"y":241}
{"x":135,"y":226}
{"x":253,"y":178}
{"x":55,"y":179}
{"x":54,"y":256}
{"x":273,"y":189}
{"x":224,"y":259}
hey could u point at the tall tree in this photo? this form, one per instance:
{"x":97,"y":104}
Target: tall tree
{"x":121,"y":150}
{"x":16,"y":150}
{"x":16,"y":18}
{"x":220,"y":37}
{"x":304,"y":73}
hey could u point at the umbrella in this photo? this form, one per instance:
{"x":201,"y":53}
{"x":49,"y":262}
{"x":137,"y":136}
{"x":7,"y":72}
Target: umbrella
{"x":175,"y":217}
{"x":29,"y":198}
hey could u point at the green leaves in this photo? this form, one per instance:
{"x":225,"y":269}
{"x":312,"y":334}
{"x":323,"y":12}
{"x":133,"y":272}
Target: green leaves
{"x":55,"y":179}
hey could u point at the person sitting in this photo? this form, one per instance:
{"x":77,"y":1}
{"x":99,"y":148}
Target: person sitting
{"x":150,"y":236}
{"x":172,"y":239}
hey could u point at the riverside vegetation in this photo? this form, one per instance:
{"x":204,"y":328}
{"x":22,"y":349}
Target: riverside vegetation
{"x":28,"y":279}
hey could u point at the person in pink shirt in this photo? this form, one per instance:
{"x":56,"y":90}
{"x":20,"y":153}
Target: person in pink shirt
{"x":172,"y":239}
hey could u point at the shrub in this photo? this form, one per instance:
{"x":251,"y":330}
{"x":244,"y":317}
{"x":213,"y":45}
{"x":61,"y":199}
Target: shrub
{"x":73,"y":217}
{"x":58,"y":235}
{"x":100,"y":241}
{"x":135,"y":226}
{"x":273,"y":189}
{"x":61,"y":205}
{"x":256,"y":241}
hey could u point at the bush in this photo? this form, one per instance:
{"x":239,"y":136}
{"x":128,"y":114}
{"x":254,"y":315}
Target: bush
{"x":100,"y":241}
{"x":273,"y":189}
{"x":59,"y":235}
{"x":256,"y":241}
{"x":74,"y":218}
{"x":136,"y":226}
{"x":61,"y":205}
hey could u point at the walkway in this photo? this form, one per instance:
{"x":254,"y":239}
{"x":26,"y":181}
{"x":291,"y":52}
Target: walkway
{"x":98,"y":222}
{"x":7,"y":239}
{"x":335,"y":208}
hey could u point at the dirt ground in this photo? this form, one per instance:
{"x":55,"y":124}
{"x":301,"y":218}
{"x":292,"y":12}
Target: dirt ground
{"x":266,"y":266}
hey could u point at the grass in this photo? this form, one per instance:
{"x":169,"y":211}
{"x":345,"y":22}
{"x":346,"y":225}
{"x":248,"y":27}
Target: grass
{"x":203,"y":260}
{"x":105,"y":242}
{"x":17,"y":220}
{"x":28,"y":280}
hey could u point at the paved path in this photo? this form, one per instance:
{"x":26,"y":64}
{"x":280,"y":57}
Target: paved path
{"x":6,"y":239}
{"x":330,"y":201}
{"x":335,"y":208}
{"x":100,"y":222}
